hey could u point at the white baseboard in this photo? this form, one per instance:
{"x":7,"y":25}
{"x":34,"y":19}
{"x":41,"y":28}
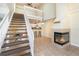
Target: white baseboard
{"x":74,"y":44}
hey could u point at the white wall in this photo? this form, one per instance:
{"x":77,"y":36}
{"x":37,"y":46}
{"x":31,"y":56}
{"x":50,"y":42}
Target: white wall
{"x":3,"y":11}
{"x":49,"y":10}
{"x":68,"y":14}
{"x":11,"y":8}
{"x":62,"y":14}
{"x":75,"y":25}
{"x":75,"y":29}
{"x":3,"y":8}
{"x":49,"y":13}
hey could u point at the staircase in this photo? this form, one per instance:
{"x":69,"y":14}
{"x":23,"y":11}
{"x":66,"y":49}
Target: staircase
{"x":16,"y":42}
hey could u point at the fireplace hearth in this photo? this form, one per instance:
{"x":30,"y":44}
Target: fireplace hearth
{"x":61,"y":38}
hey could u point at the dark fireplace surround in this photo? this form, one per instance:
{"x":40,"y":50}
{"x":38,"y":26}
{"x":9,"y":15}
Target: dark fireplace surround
{"x":61,"y":38}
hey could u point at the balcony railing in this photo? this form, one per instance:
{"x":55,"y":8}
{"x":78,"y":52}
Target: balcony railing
{"x":32,"y":13}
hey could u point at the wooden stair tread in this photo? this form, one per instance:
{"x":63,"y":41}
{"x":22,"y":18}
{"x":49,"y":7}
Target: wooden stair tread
{"x":14,"y":43}
{"x":19,"y":33}
{"x":13,"y":23}
{"x":14,"y":29}
{"x":9,"y":38}
{"x":17,"y":21}
{"x":5,"y":41}
{"x":22,"y":53}
{"x":26,"y":54}
{"x":14,"y":47}
{"x":18,"y":24}
{"x":14,"y":51}
{"x":17,"y":28}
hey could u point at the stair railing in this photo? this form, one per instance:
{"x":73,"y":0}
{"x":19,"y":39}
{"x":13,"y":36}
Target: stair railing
{"x":4,"y":24}
{"x":3,"y":29}
{"x":33,"y":13}
{"x":29,"y":32}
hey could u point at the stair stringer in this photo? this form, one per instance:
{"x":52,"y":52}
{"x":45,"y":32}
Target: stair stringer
{"x":30,"y":34}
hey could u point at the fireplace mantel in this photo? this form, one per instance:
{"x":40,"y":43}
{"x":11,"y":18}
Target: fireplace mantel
{"x":61,"y":30}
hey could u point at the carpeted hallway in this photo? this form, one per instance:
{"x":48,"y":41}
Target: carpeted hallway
{"x":45,"y":47}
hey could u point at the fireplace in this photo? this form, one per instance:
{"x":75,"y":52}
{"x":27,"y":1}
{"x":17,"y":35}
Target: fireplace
{"x":61,"y":38}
